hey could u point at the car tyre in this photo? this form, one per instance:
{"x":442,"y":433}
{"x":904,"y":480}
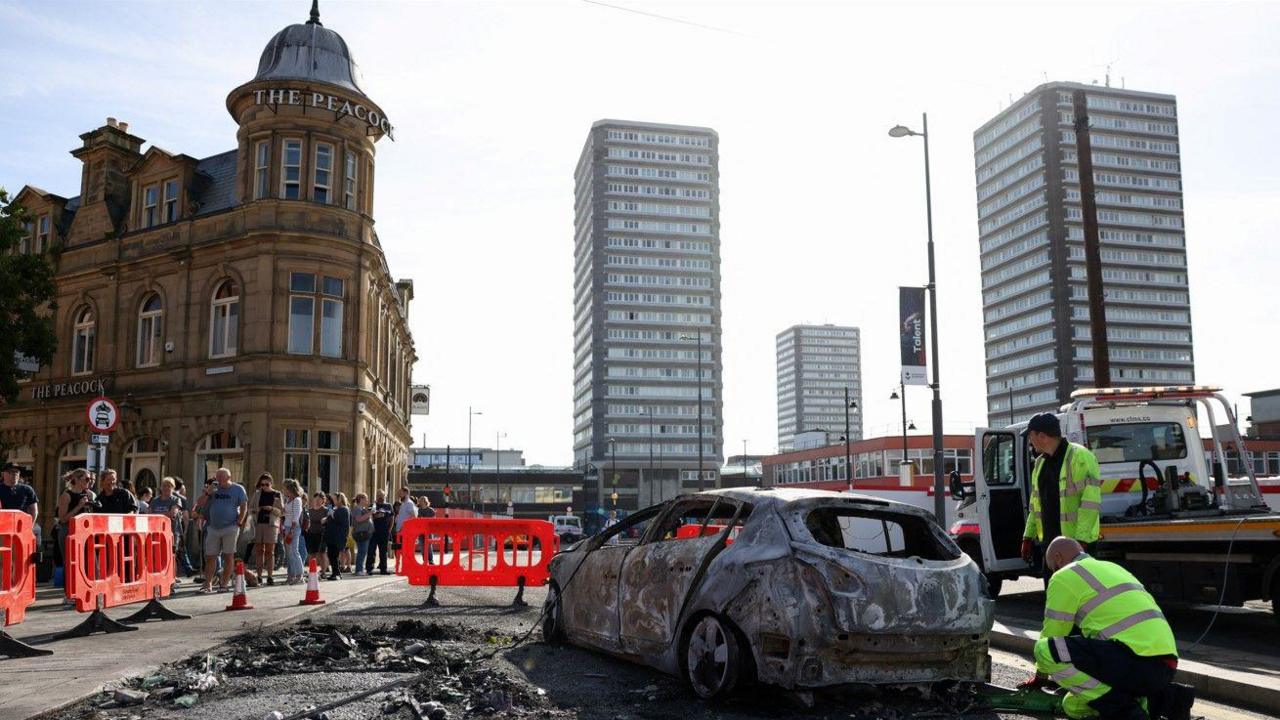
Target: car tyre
{"x":713,"y":658}
{"x":552,"y":619}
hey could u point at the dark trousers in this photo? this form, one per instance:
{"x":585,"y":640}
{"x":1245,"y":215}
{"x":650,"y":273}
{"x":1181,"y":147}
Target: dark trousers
{"x":378,"y":546}
{"x":1130,"y":676}
{"x":334,"y":550}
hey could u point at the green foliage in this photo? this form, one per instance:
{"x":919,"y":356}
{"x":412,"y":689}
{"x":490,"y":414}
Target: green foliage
{"x":26,"y":300}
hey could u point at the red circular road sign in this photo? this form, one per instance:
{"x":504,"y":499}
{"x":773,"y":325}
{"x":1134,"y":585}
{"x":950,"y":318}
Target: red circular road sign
{"x":103,"y":415}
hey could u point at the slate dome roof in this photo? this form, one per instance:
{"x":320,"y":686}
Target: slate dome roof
{"x":310,"y":51}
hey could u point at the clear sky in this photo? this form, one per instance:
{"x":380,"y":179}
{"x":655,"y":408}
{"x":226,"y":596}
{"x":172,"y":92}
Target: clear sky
{"x":822,"y":212}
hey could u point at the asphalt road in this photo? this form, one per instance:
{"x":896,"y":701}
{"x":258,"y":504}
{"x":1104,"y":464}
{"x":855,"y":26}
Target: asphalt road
{"x":586,"y":685}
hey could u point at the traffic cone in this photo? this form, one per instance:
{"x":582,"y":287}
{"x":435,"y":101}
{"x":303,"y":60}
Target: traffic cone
{"x":239,"y":599}
{"x":313,"y":585}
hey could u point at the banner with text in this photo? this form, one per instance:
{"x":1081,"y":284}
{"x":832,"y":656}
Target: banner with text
{"x":911,"y":334}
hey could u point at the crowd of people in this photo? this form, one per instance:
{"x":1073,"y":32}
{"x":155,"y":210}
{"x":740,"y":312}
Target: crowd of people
{"x":269,"y":529}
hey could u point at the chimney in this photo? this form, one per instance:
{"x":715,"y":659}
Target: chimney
{"x":107,"y":155}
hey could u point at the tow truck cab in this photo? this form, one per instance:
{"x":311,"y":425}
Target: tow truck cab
{"x":1144,"y":439}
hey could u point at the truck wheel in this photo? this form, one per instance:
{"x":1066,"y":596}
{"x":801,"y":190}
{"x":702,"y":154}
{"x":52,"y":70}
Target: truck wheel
{"x":552,"y":617}
{"x":712,"y":658}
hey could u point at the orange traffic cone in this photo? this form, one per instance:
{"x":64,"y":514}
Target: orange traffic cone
{"x":313,"y":585}
{"x":239,"y":600}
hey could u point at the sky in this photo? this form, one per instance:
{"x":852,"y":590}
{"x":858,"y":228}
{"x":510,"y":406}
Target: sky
{"x":822,"y":213}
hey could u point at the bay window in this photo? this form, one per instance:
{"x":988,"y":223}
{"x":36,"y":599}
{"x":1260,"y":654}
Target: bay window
{"x":291,"y":170}
{"x":322,"y":186}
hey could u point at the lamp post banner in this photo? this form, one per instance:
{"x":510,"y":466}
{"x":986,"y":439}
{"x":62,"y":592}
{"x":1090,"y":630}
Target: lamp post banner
{"x":911,"y":335}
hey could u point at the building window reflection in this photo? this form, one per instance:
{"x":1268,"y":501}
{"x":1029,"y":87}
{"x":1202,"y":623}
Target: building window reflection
{"x":84,"y":337}
{"x":224,"y":320}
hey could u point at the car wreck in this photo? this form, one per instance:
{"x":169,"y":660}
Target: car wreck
{"x":802,"y":589}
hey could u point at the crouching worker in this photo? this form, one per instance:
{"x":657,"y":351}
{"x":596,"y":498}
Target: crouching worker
{"x":1122,"y":663}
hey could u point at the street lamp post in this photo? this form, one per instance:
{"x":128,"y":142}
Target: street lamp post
{"x":699,"y":338}
{"x":471,"y":497}
{"x":613,"y":471}
{"x":650,"y":414}
{"x":939,"y":488}
{"x":497,"y":458}
{"x":894,"y":396}
{"x":848,"y":440}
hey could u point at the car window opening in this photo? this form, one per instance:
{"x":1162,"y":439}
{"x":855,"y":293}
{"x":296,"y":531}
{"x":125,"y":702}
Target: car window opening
{"x":872,"y":532}
{"x":700,"y":519}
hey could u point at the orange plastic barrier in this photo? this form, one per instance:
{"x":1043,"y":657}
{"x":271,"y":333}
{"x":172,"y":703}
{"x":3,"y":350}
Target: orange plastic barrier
{"x":114,"y":560}
{"x":685,"y":532}
{"x":17,"y":578}
{"x":486,"y":552}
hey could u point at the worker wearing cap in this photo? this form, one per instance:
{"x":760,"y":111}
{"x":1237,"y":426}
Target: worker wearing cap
{"x":1124,"y":655}
{"x":1070,"y":506}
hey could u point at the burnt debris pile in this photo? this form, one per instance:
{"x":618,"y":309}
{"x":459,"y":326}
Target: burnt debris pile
{"x":411,"y":670}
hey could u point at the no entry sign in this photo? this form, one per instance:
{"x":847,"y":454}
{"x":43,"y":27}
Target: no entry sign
{"x":103,"y":415}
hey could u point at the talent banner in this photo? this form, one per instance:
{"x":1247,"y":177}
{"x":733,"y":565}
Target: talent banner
{"x":911,"y":334}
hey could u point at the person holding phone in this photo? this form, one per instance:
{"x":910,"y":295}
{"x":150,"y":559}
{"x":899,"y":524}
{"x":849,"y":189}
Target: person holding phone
{"x":269,"y":508}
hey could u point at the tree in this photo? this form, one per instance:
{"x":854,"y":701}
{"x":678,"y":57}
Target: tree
{"x":27,"y":300}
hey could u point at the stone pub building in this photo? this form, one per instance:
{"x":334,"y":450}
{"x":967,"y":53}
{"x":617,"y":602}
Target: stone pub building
{"x":238,"y":308}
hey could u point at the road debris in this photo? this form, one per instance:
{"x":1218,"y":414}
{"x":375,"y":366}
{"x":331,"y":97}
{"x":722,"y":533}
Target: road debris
{"x":414,"y":669}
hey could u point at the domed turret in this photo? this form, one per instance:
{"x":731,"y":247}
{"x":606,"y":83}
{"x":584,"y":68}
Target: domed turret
{"x":310,"y":52}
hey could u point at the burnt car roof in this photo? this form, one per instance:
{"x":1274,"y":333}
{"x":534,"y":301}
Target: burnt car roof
{"x":782,"y":498}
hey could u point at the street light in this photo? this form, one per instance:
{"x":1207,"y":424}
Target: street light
{"x":848,"y":439}
{"x":497,"y":458}
{"x":699,"y":339}
{"x":894,"y":396}
{"x":648,"y":413}
{"x":939,"y":489}
{"x":471,"y":497}
{"x":613,"y":452}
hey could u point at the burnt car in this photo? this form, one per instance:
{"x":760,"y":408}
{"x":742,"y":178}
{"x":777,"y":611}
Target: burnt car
{"x":801,"y":589}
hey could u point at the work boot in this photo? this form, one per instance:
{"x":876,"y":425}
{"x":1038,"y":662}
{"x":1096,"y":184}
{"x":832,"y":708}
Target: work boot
{"x":1176,"y":702}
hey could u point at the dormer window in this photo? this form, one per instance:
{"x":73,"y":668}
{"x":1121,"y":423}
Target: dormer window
{"x":28,"y":237}
{"x":150,"y":206}
{"x":42,"y":234}
{"x":291,"y":166}
{"x":262,"y":170}
{"x":170,"y":200}
{"x":324,"y":173}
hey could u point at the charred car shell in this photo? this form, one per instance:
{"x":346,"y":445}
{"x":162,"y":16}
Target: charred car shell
{"x":774,"y":585}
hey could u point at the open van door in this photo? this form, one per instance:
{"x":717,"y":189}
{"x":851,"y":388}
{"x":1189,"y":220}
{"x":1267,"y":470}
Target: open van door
{"x":1001,"y":499}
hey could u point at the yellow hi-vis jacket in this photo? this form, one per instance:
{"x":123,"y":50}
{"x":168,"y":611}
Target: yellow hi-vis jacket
{"x":1108,"y":603}
{"x":1079,"y":496}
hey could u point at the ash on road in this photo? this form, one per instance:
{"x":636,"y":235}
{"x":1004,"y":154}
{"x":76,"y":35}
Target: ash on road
{"x":454,"y":661}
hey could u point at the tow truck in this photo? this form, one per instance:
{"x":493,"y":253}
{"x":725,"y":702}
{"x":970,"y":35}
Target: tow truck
{"x":1171,"y":513}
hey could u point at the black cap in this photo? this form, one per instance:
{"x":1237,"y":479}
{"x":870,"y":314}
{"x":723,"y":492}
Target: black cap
{"x":11,"y":467}
{"x":1046,"y":423}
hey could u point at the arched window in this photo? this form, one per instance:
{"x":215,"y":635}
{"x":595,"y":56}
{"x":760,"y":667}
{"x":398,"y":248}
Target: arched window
{"x":143,"y":462}
{"x":224,"y":320}
{"x":218,"y":450}
{"x":73,"y":456}
{"x":150,"y":329}
{"x":83,"y":341}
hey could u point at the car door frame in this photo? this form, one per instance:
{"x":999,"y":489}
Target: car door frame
{"x":605,"y":579}
{"x":997,"y":534}
{"x":686,"y":577}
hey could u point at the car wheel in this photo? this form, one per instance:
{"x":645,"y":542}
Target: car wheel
{"x":552,"y":619}
{"x":712,"y":658}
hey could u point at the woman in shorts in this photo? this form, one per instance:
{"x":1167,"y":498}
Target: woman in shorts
{"x":316,"y":515}
{"x":268,"y":508}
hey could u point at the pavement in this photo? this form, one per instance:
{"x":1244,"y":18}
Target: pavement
{"x":1236,"y":660}
{"x":79,"y":667}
